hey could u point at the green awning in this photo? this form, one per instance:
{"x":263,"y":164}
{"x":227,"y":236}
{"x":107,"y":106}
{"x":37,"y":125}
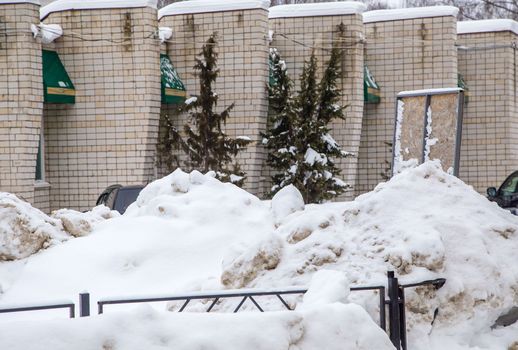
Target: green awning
{"x":462,"y":84}
{"x":371,"y":90}
{"x":173,"y":90}
{"x":57,"y":86}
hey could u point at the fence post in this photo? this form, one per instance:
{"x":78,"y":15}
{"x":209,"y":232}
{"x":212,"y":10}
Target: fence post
{"x":84,"y":304}
{"x":394,"y":321}
{"x":402,"y":317}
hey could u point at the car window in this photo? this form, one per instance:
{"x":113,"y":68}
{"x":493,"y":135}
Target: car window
{"x":125,"y":197}
{"x":509,"y":186}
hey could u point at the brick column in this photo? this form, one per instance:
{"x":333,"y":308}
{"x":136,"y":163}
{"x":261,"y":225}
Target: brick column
{"x":21,"y":96}
{"x":488,"y":62}
{"x":109,"y":135}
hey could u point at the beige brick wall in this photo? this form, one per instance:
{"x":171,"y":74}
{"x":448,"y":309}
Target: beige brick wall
{"x":243,"y":63}
{"x":41,"y":197}
{"x":21,"y":96}
{"x":402,"y":55}
{"x":296,"y":37}
{"x":489,"y":150}
{"x":109,"y":135}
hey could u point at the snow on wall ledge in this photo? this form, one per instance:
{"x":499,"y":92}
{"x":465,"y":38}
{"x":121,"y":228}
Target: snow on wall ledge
{"x":487,"y":25}
{"x":66,"y":5}
{"x":409,"y":13}
{"x":317,"y":9}
{"x":201,"y":6}
{"x":3,"y":2}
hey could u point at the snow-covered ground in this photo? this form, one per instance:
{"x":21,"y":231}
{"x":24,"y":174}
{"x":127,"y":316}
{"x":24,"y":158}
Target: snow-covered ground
{"x":189,"y":232}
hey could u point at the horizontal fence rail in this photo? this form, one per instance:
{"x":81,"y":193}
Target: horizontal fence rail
{"x":69,"y":306}
{"x":244,"y":295}
{"x":391,"y":297}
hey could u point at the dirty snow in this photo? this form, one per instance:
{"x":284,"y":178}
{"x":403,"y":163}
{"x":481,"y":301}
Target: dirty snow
{"x":190,"y":232}
{"x":25,"y":230}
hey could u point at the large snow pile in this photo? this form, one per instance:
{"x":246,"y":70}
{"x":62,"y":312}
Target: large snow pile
{"x":190,"y":232}
{"x":423,"y":224}
{"x":323,"y":326}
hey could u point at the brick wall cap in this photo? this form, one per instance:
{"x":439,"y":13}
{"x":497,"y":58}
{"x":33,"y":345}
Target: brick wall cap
{"x":66,"y":5}
{"x":487,"y":25}
{"x":317,"y":9}
{"x":409,"y":13}
{"x":203,"y":6}
{"x":36,"y":2}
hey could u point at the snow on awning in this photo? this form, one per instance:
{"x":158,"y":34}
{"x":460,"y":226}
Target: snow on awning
{"x":317,"y":9}
{"x":173,"y":90}
{"x":409,"y":13}
{"x":67,"y":5}
{"x":371,"y":89}
{"x":203,"y":6}
{"x":57,"y":86}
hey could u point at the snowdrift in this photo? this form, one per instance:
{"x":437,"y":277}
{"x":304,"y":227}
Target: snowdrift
{"x":190,"y":232}
{"x":324,"y":322}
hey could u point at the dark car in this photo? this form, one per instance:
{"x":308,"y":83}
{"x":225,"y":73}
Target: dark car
{"x":118,"y":197}
{"x":507,"y":195}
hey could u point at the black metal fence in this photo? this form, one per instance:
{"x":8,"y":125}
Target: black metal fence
{"x":394,"y":300}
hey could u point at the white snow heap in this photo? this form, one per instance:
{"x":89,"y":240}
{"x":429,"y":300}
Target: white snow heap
{"x":287,"y":201}
{"x":67,"y":5}
{"x":327,"y":287}
{"x":165,"y":33}
{"x":329,"y":327}
{"x":409,"y":13}
{"x":24,"y":230}
{"x":487,"y":25}
{"x":203,"y":6}
{"x":317,"y":9}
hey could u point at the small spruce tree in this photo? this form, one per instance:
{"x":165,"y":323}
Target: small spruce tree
{"x":301,"y":149}
{"x":279,"y":136}
{"x":207,"y":146}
